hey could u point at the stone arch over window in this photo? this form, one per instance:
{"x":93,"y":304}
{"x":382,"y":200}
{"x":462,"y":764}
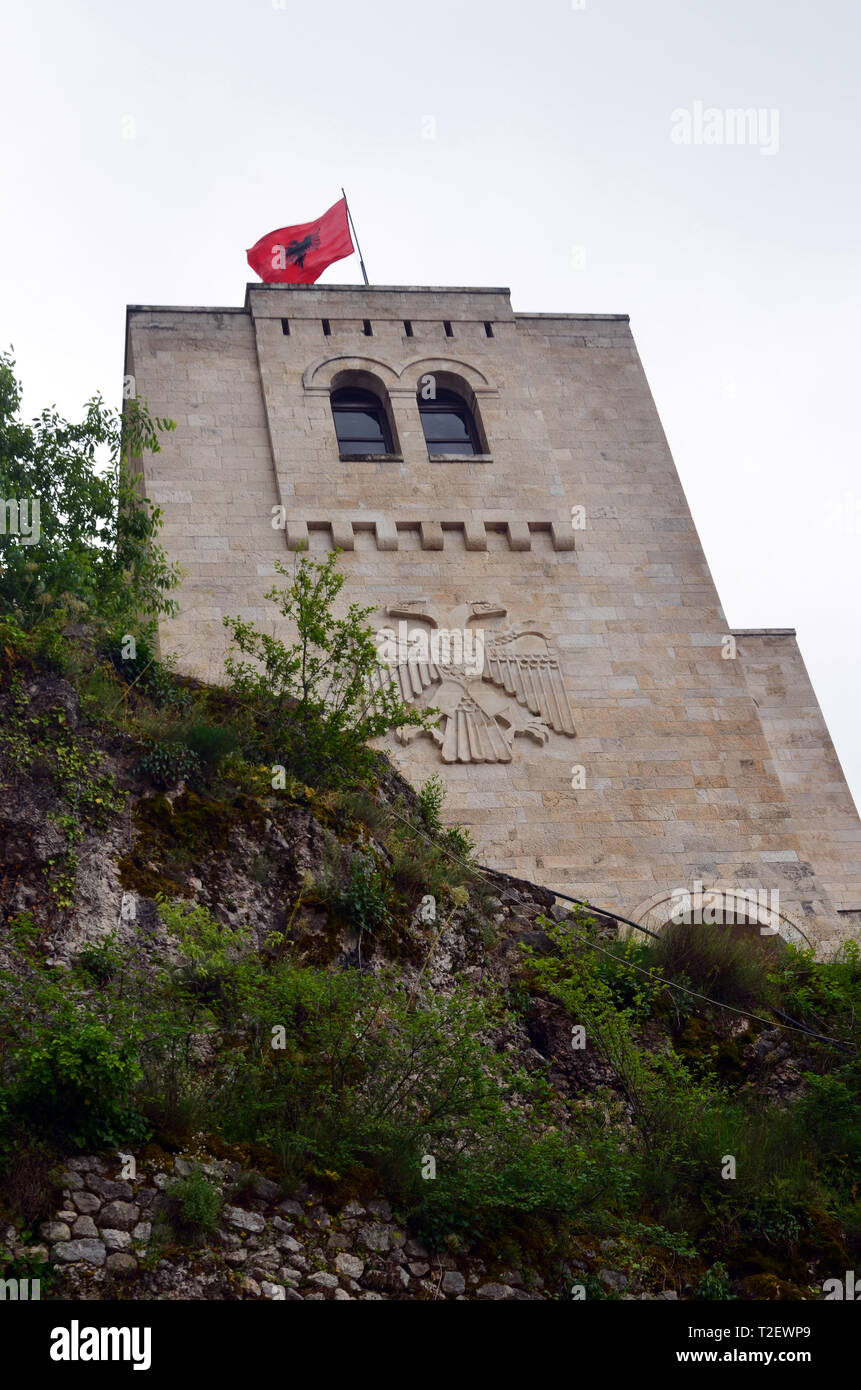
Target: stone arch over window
{"x":320,"y":376}
{"x":747,"y":909}
{"x":362,"y":414}
{"x":451,"y":418}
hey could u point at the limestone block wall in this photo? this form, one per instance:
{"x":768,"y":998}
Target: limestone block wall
{"x":213,"y":479}
{"x":670,"y":778}
{"x":805,"y":760}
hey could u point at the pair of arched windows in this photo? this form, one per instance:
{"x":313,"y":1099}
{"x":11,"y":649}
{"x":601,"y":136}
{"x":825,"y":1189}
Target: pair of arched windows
{"x":363,"y":427}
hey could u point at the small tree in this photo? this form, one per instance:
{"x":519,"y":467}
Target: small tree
{"x":322,"y":697}
{"x":93,"y":552}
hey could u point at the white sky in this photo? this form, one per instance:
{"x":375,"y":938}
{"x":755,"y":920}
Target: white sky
{"x":553,"y":131}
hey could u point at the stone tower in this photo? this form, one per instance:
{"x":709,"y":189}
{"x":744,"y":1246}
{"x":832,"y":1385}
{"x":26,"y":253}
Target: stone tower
{"x":619,"y":744}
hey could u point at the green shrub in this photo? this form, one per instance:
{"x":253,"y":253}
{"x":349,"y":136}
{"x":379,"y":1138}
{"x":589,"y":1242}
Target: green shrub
{"x":726,"y":963}
{"x":359,"y":804}
{"x":210,"y":743}
{"x":193,"y":1206}
{"x":95,"y":556}
{"x":149,"y":674}
{"x":830,"y":1113}
{"x":213,"y":970}
{"x":715,"y":1283}
{"x":101,"y":694}
{"x":456,"y":839}
{"x":430,"y":798}
{"x":75,"y":1086}
{"x":166,"y":764}
{"x":812,"y":990}
{"x":365,"y":899}
{"x":100,"y":962}
{"x":320,"y":699}
{"x":518,"y":1177}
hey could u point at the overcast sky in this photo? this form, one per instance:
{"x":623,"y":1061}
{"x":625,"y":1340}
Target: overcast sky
{"x":489,"y":142}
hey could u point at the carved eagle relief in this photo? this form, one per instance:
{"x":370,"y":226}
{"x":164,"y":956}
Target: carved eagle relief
{"x":487,"y":691}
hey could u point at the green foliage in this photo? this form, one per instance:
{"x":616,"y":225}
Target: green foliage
{"x":319,"y":698}
{"x":193,"y":1206}
{"x":95,"y":557}
{"x":68,"y":1064}
{"x":588,"y":992}
{"x":151,"y":675}
{"x":208,"y":979}
{"x":348,"y":1077}
{"x":206,"y":945}
{"x":830,"y":1113}
{"x":726,"y":963}
{"x":101,"y":694}
{"x":28,"y":1174}
{"x":364,"y":901}
{"x":30,"y":1267}
{"x":628,"y":973}
{"x":715,"y":1283}
{"x":101,"y":962}
{"x":417,"y":860}
{"x":456,"y":839}
{"x":426,"y":856}
{"x":811,"y":990}
{"x":430,"y":798}
{"x":210,"y":743}
{"x":789,"y":1160}
{"x":189,"y":749}
{"x":91,"y":796}
{"x":519,"y":1177}
{"x":168,"y":764}
{"x":73,"y":1086}
{"x":365,"y":1078}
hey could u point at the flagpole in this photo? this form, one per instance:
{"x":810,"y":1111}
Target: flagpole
{"x":356,"y":239}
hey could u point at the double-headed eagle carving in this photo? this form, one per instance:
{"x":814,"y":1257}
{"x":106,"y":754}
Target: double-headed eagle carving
{"x":488,"y":692}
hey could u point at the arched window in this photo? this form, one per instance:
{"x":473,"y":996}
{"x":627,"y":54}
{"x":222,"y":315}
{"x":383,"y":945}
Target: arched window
{"x":448,"y":424}
{"x":360,"y":422}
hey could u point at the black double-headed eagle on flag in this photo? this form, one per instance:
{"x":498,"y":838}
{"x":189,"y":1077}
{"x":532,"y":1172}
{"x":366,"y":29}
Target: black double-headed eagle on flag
{"x":489,"y":686}
{"x":296,"y":251}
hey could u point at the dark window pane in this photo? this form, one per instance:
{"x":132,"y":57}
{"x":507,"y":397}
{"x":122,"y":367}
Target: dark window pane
{"x":450,"y":446}
{"x":447,"y":424}
{"x":362,"y":446}
{"x":444,"y":424}
{"x":358,"y":424}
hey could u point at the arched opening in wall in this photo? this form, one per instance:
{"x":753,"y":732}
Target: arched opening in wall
{"x":362,"y":414}
{"x":450,"y":417}
{"x":729,"y":963}
{"x":719,"y":943}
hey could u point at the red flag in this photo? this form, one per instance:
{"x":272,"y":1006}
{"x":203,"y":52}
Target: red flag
{"x":299,"y":255}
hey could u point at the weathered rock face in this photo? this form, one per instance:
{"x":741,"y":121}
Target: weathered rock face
{"x":119,"y":1215}
{"x":31,"y":839}
{"x":91,"y":1252}
{"x":244,"y":859}
{"x":27,"y":838}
